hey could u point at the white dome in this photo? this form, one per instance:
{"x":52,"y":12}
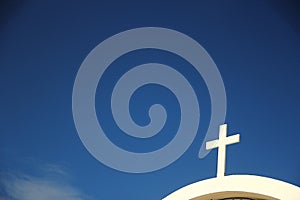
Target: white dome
{"x":237,"y":187}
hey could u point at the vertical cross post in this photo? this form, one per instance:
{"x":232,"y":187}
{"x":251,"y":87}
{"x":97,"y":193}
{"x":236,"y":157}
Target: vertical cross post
{"x":221,"y":144}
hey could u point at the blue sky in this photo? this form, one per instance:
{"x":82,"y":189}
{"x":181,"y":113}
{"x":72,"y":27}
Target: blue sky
{"x":255,"y":45}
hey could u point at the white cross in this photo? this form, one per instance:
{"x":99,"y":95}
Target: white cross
{"x":221,"y":145}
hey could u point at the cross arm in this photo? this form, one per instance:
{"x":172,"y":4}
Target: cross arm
{"x":211,"y":144}
{"x":233,"y":139}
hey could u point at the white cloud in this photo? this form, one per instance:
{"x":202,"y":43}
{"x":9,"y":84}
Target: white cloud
{"x":56,"y":169}
{"x":26,"y":187}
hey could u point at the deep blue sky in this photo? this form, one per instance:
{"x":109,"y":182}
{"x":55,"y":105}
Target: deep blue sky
{"x":255,"y":44}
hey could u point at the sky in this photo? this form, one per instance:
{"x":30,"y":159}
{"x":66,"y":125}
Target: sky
{"x":254,"y":44}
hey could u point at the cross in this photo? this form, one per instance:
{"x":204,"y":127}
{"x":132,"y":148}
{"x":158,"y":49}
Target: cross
{"x":221,"y":145}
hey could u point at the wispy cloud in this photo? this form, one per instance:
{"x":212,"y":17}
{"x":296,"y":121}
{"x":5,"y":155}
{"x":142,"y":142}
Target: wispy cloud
{"x":28,"y":187}
{"x":53,"y":169}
